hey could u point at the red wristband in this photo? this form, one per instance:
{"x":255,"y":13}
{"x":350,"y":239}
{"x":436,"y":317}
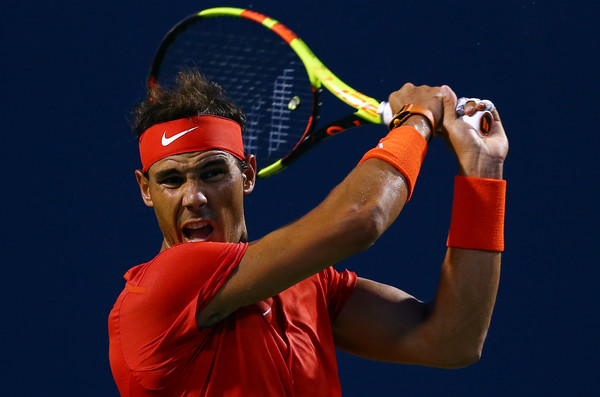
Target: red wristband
{"x":478,"y":214}
{"x":404,"y":148}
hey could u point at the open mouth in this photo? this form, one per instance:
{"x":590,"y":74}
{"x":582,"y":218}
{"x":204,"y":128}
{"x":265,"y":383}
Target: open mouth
{"x":197,"y":231}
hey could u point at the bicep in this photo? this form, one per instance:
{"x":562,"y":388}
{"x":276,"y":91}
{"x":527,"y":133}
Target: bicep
{"x":382,"y":322}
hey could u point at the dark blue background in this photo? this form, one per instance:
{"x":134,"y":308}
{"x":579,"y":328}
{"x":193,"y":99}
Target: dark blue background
{"x":73,"y":221}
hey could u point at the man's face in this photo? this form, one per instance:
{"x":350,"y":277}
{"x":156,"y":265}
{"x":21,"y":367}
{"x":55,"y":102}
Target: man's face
{"x":199,"y":196}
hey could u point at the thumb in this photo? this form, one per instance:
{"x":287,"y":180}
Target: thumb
{"x":450,"y":100}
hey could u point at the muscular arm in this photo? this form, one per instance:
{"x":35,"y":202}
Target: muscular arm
{"x":384,"y":323}
{"x":348,"y":221}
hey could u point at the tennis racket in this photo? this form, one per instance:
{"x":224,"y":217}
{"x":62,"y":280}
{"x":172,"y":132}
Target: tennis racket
{"x":272,"y":75}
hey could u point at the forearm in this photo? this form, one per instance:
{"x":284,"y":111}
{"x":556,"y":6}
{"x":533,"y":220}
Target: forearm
{"x":462,"y":309}
{"x":362,"y":207}
{"x":348,"y":221}
{"x":468,"y":285}
{"x":384,"y":323}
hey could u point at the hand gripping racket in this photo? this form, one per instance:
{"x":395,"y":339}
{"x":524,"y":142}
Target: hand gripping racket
{"x":272,"y":75}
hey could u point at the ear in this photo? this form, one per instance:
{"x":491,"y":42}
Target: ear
{"x":144,"y":184}
{"x":249,"y":174}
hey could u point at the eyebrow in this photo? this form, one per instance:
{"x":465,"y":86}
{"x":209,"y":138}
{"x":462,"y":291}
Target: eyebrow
{"x":215,"y":162}
{"x":165,"y":173}
{"x":175,"y":171}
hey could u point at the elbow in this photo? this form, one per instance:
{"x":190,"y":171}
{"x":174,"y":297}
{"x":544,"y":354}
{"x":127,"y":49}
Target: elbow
{"x":462,"y":355}
{"x":455,"y":349}
{"x":367,"y":224}
{"x":464,"y":359}
{"x":473,"y":358}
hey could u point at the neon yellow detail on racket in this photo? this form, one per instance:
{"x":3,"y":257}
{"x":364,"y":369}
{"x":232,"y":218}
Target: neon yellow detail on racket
{"x":271,"y":169}
{"x":318,"y":73}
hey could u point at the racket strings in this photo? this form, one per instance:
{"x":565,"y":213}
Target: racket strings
{"x":257,"y":70}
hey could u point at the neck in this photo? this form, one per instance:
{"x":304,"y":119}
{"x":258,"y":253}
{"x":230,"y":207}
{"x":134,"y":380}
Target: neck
{"x":163,"y":246}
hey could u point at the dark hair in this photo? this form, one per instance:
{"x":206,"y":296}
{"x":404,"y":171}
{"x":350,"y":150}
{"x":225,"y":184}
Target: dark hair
{"x":193,"y":95}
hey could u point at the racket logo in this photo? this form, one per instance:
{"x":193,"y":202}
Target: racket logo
{"x":485,"y":124}
{"x":334,"y":129}
{"x":167,"y":141}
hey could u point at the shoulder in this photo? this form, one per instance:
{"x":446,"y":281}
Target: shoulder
{"x":185,"y":266}
{"x":195,"y":256}
{"x":200,"y":250}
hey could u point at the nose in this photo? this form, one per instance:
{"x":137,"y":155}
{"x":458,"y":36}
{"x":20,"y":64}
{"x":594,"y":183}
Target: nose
{"x":193,"y":197}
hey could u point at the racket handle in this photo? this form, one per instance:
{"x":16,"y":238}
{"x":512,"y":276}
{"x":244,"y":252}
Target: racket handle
{"x":481,"y":121}
{"x":385,"y":112}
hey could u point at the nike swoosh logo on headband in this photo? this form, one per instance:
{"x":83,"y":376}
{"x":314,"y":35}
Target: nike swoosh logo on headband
{"x":167,"y":141}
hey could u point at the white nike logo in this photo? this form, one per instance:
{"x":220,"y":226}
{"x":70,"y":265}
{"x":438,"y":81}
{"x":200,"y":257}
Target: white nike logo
{"x":267,"y":312}
{"x":167,"y":141}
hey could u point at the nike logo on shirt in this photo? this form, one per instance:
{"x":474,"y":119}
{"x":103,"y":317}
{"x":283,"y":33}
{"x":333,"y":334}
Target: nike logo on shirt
{"x":167,"y":141}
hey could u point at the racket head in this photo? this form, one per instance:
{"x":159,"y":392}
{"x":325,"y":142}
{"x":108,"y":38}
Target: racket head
{"x":249,"y":56}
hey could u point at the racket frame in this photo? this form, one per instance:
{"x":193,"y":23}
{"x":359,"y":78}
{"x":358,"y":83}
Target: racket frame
{"x":368,"y":109}
{"x":318,"y":74}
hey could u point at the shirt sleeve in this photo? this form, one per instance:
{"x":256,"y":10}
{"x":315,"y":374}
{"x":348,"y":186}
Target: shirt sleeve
{"x":157,"y":317}
{"x":339,"y":287}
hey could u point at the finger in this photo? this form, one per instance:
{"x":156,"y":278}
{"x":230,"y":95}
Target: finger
{"x":449,"y":101}
{"x":474,"y":105}
{"x":498,"y":128}
{"x":496,"y":114}
{"x":469,"y":106}
{"x":480,"y":106}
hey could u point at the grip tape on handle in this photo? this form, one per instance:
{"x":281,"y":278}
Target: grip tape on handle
{"x":481,"y":121}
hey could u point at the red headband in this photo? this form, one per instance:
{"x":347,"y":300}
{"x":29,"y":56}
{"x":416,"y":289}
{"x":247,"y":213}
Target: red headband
{"x":191,"y":134}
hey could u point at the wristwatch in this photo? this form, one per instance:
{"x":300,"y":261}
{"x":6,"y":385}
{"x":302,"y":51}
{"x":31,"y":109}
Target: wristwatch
{"x":410,"y":110}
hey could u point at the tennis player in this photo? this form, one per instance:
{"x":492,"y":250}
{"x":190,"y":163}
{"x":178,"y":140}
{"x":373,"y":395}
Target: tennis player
{"x":216,"y":315}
